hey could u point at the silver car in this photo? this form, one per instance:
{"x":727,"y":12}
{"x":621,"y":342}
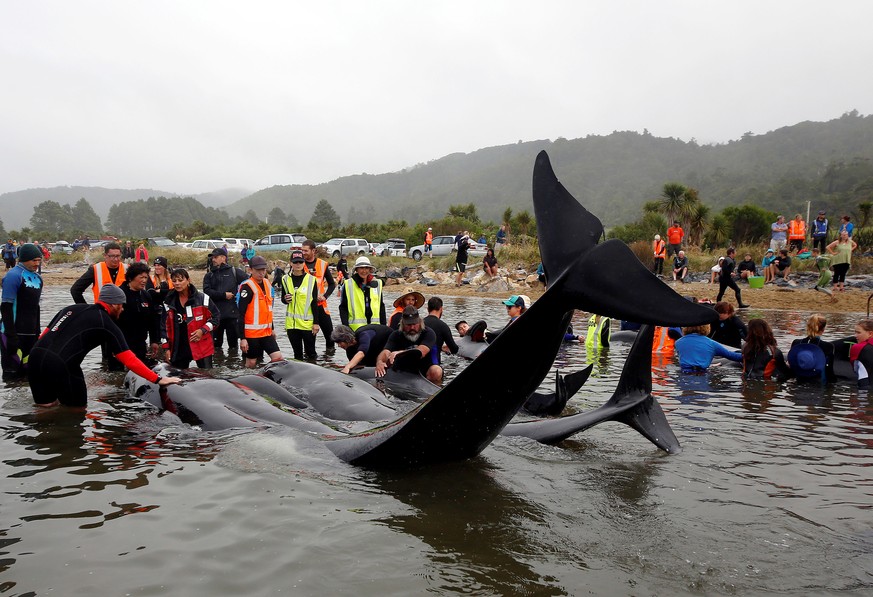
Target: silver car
{"x":444,"y":245}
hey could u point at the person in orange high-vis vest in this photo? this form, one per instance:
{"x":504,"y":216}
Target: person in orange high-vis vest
{"x":796,"y":233}
{"x":326,"y":285}
{"x":428,"y":242}
{"x":109,"y":271}
{"x":255,"y":327}
{"x":659,"y":248}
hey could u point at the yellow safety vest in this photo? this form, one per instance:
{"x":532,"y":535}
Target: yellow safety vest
{"x":595,"y":329}
{"x":298,"y":314}
{"x":356,"y":305}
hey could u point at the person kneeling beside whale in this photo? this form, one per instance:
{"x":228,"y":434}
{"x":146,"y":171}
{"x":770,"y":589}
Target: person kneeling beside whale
{"x":55,"y":372}
{"x":412,"y":335}
{"x":696,"y":351}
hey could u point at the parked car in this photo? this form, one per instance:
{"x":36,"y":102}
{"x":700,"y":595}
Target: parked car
{"x":236,"y":244}
{"x":207,"y":245}
{"x":280,"y":242}
{"x":393,"y":247}
{"x":346,"y":246}
{"x":444,"y":245}
{"x":159,"y":241}
{"x":61,"y":246}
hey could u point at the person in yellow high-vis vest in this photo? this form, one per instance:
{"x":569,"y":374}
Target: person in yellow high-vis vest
{"x":300,"y":294}
{"x":361,"y":303}
{"x":326,"y":285}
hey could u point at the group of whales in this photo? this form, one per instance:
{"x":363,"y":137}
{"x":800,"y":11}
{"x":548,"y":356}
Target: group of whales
{"x":362,"y":426}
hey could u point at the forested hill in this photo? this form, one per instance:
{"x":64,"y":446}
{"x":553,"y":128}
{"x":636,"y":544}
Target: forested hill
{"x":823,"y":162}
{"x":100,"y":199}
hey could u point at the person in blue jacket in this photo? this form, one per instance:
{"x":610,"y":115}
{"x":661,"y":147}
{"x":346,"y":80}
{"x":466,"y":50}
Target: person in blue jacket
{"x":696,"y":351}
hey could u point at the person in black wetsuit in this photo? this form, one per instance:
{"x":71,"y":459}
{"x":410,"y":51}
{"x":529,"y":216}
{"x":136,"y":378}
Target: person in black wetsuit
{"x":726,"y":279}
{"x":761,"y":358}
{"x":55,"y":372}
{"x":141,"y":318}
{"x":730,"y":330}
{"x":445,"y":342}
{"x":363,"y":345}
{"x":19,"y":310}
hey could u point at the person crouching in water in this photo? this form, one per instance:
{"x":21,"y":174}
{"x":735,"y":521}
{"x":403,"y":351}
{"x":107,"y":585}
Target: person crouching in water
{"x":412,"y":335}
{"x":761,"y":358}
{"x":186,"y":329}
{"x":300,"y":293}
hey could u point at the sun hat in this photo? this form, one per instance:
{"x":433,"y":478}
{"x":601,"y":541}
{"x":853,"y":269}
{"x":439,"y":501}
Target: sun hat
{"x":807,"y":360}
{"x":419,"y":298}
{"x":362,"y":262}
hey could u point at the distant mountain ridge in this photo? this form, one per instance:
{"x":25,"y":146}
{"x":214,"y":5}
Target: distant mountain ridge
{"x":613,"y":175}
{"x":101,"y":199}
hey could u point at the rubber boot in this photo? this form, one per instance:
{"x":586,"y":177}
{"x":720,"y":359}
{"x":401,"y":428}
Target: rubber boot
{"x":740,"y":301}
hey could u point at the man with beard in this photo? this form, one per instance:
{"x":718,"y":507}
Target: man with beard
{"x":55,"y":366}
{"x":412,"y":335}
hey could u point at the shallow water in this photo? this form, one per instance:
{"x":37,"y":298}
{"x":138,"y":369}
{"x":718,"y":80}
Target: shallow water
{"x":771,"y":494}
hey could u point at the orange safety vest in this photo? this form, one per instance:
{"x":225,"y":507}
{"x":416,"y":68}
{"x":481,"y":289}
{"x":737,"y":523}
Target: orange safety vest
{"x":102,"y":276}
{"x":659,"y":246}
{"x":428,"y":237}
{"x":258,"y":318}
{"x":157,"y":283}
{"x":662,"y":341}
{"x":320,"y":270}
{"x":796,"y":230}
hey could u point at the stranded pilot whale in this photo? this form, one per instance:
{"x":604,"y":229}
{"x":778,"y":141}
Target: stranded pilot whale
{"x":462,"y":418}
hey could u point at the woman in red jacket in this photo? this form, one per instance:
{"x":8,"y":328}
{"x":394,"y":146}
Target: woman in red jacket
{"x":186,"y":328}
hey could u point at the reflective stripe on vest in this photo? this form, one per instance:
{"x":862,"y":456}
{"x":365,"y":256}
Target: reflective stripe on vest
{"x":662,"y":341}
{"x":796,"y":230}
{"x":319,"y":273}
{"x":595,"y":329}
{"x":298,"y":314}
{"x":103,"y":276}
{"x":658,"y":247}
{"x":259,"y":314}
{"x":356,"y":305}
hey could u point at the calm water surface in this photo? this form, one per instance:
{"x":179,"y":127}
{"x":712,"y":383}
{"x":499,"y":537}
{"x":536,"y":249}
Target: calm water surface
{"x":772,"y":493}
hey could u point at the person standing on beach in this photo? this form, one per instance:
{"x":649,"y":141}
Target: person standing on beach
{"x":726,"y":280}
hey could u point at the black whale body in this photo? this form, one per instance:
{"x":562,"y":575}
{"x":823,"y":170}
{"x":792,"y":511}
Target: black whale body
{"x":462,"y":418}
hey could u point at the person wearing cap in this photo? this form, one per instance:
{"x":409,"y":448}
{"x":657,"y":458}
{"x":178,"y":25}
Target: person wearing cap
{"x":321,"y":270}
{"x":820,"y":231}
{"x":140,"y":320}
{"x":766,"y":262}
{"x":413,"y":334}
{"x":19,"y":311}
{"x":410,"y":296}
{"x":363,"y":346}
{"x":159,"y":283}
{"x":221,"y":284}
{"x":778,"y":234}
{"x":300,"y":293}
{"x":428,"y":242}
{"x":445,"y":342}
{"x":255,"y":326}
{"x":54,"y":369}
{"x":659,"y":248}
{"x":811,"y":357}
{"x":361,"y":302}
{"x":10,"y":251}
{"x":515,"y":305}
{"x":187,"y":326}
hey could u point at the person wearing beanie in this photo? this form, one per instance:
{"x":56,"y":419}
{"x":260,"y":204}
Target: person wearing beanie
{"x":55,"y":365}
{"x":140,"y":320}
{"x":411,"y":348}
{"x":19,"y":311}
{"x":159,"y":283}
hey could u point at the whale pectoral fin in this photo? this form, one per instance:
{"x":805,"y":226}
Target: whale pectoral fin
{"x":574,"y":381}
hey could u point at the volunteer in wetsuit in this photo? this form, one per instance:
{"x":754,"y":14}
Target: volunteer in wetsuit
{"x":19,"y":310}
{"x":55,"y":372}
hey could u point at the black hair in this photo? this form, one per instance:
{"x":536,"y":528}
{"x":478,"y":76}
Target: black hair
{"x":135,"y":269}
{"x":434,"y":303}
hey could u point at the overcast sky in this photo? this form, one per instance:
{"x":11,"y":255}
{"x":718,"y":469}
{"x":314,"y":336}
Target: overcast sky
{"x":196,"y":96}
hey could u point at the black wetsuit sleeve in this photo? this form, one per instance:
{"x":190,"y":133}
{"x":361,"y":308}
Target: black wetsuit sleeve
{"x":114,"y":336}
{"x":7,"y":314}
{"x":344,"y":307}
{"x":77,"y":290}
{"x":329,"y":281}
{"x":243,"y":307}
{"x":382,"y":318}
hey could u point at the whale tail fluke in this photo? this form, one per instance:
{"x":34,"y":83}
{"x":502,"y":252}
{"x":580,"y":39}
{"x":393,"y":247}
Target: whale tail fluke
{"x":631,"y":404}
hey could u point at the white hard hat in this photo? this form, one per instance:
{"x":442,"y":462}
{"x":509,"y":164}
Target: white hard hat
{"x":362,"y":262}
